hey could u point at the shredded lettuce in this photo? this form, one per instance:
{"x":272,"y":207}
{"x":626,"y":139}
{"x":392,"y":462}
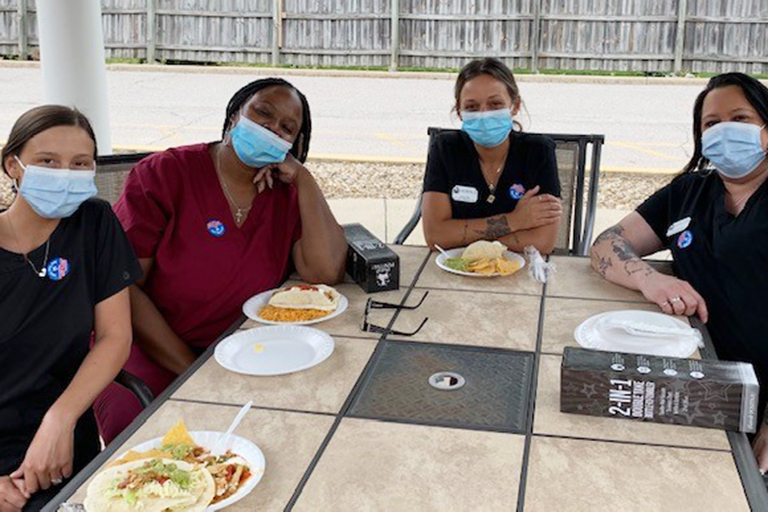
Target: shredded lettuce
{"x":179,"y":451}
{"x":166,"y":490}
{"x":130,"y":497}
{"x":178,"y":483}
{"x":178,"y":476}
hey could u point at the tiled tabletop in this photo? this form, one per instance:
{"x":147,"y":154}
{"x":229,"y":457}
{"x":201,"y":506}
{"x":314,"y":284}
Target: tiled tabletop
{"x":327,"y":450}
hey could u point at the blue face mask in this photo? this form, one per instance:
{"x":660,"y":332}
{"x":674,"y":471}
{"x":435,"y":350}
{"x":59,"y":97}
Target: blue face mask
{"x":487,"y":129}
{"x":735,"y":149}
{"x":56,"y":193}
{"x":256,"y":146}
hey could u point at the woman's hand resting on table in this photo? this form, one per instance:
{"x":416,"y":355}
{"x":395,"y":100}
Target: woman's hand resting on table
{"x":11,"y":498}
{"x":533,"y":211}
{"x":674,"y":296}
{"x":48,"y":460}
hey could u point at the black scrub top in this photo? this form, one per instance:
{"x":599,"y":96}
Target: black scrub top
{"x":725,"y":258}
{"x":46,"y":325}
{"x":453,"y":168}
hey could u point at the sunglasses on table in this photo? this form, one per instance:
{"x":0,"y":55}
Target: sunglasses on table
{"x":375,"y":304}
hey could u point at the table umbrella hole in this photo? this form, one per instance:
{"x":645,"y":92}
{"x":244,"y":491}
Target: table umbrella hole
{"x":447,"y":381}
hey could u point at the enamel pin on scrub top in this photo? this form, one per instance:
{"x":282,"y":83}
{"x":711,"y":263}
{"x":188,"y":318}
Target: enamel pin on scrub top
{"x":57,"y":269}
{"x":516,"y":191}
{"x":216,"y":228}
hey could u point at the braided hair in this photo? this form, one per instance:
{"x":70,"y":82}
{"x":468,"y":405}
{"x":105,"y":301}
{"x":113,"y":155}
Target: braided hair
{"x":301,"y":144}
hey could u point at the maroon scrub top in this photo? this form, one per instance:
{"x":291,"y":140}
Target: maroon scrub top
{"x":174,"y":210}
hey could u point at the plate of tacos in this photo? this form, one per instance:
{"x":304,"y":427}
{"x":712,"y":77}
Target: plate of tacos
{"x":481,"y":259}
{"x":177,"y":472}
{"x":297,"y":304}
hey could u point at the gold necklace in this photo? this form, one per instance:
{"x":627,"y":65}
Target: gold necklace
{"x":240,"y":212}
{"x":497,"y":174}
{"x":492,"y":186}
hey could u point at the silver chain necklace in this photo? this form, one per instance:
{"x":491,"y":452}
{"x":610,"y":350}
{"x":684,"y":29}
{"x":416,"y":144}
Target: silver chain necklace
{"x":240,"y":211}
{"x":43,"y":272}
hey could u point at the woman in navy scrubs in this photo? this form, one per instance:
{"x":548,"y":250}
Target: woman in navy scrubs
{"x":714,"y":219}
{"x":488,"y":181}
{"x":65,"y":268}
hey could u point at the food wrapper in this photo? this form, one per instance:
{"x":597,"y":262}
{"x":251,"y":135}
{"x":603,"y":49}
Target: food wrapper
{"x":538,"y":268}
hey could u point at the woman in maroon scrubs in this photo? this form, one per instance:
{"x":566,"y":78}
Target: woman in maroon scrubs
{"x":214,"y":224}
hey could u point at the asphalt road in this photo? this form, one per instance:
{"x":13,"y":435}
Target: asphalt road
{"x":647,"y":127}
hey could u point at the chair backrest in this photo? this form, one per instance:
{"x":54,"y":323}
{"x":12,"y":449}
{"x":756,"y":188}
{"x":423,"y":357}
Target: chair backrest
{"x":111,"y":173}
{"x":577,"y":157}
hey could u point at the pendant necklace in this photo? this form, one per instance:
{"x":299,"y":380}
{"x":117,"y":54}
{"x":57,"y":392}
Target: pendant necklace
{"x":44,"y":268}
{"x":240,"y":212}
{"x":492,"y":186}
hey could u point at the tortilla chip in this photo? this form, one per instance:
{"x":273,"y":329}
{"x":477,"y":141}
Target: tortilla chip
{"x":506,"y":267}
{"x":133,"y":455}
{"x":478,"y":264}
{"x":487,"y":271}
{"x":178,"y":435}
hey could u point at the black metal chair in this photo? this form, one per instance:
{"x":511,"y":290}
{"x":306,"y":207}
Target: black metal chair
{"x":573,"y":166}
{"x":111,"y":173}
{"x":136,"y":386}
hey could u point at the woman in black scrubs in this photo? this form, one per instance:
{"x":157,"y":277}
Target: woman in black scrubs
{"x":65,"y":268}
{"x":488,"y":181}
{"x":714,"y":219}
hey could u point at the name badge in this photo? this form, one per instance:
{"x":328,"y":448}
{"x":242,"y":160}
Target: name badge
{"x":464,"y":194}
{"x":679,"y":226}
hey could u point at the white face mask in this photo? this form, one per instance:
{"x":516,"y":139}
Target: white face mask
{"x":56,"y":193}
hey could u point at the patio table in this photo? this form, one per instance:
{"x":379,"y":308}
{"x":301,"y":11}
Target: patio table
{"x":364,"y":430}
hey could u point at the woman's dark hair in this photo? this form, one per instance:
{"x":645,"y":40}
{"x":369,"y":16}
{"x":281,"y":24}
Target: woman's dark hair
{"x":301,"y":144}
{"x":755,"y":92}
{"x":39,"y":119}
{"x":487,"y":66}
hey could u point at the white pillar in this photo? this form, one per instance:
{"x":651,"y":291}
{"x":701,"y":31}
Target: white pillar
{"x":73,"y":63}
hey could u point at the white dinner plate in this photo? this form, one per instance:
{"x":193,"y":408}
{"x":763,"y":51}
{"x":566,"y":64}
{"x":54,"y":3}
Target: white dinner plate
{"x":274,"y":350}
{"x":238,"y":445}
{"x":253,"y":305}
{"x":593,"y":334}
{"x":456,"y":253}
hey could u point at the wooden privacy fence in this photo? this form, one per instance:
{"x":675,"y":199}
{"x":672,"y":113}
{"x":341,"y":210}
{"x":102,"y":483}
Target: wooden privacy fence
{"x":605,"y":35}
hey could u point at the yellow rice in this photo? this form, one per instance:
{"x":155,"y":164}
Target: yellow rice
{"x":273,"y":314}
